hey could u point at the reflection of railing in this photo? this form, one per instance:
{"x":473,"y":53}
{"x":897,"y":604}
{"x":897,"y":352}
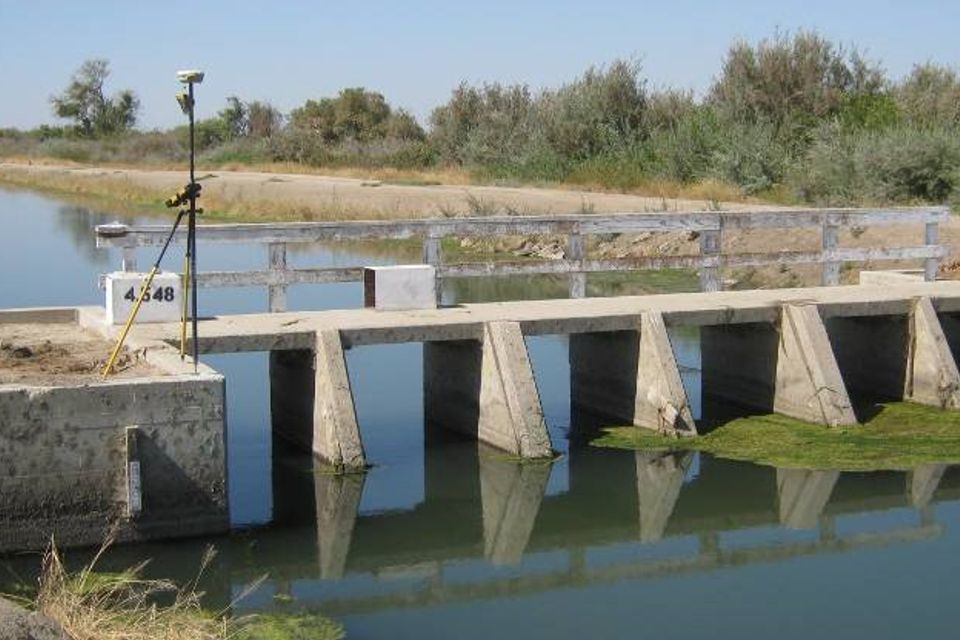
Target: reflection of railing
{"x":435,"y":590}
{"x":575,"y":263}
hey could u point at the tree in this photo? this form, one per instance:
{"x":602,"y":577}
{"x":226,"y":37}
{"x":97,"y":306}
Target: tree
{"x":84,"y":102}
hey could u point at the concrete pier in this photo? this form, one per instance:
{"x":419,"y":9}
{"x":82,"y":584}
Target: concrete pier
{"x":630,"y":377}
{"x":486,"y":390}
{"x":787,"y":367}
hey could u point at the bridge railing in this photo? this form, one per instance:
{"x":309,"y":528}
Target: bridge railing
{"x":575,"y":263}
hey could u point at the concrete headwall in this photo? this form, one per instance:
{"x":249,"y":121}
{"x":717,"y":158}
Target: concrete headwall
{"x":65,"y":453}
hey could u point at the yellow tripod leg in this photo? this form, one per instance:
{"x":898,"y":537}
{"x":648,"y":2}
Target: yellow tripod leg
{"x":126,"y":328}
{"x":183,"y":308}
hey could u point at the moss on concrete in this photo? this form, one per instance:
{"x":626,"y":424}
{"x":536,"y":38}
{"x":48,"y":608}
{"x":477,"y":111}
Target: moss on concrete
{"x":899,"y":436}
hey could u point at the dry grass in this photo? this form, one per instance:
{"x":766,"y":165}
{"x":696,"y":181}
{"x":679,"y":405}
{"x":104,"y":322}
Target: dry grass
{"x":123,"y":606}
{"x":90,"y":605}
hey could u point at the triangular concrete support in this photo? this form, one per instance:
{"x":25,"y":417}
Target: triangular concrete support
{"x":808,"y":381}
{"x":485,"y":389}
{"x":338,"y":500}
{"x":932,"y":377}
{"x":661,"y":401}
{"x":336,"y":436}
{"x":802,"y":495}
{"x":659,"y":480}
{"x":511,"y":417}
{"x":511,"y":493}
{"x":922,"y":483}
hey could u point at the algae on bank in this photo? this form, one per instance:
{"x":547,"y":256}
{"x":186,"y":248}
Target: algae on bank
{"x":899,"y":436}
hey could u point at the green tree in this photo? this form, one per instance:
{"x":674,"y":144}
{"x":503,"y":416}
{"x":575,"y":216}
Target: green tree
{"x":93,"y":113}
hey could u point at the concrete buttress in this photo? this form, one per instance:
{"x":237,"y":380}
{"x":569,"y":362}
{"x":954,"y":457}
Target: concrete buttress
{"x":629,"y":377}
{"x":808,"y":381}
{"x":932,"y":377}
{"x":487,"y":390}
{"x":661,"y":401}
{"x":336,"y":435}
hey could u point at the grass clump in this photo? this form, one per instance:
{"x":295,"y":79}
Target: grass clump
{"x":900,"y":436}
{"x":93,"y":605}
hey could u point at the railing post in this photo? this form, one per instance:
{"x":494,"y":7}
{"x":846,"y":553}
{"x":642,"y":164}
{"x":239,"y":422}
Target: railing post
{"x":278,"y":264}
{"x":830,"y":275}
{"x":575,"y":253}
{"x":931,"y":238}
{"x":431,"y":256}
{"x":128,"y":261}
{"x":710,"y":259}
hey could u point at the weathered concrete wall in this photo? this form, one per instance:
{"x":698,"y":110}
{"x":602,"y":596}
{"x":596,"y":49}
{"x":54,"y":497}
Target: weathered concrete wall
{"x":291,"y":396}
{"x":65,"y":456}
{"x":739,"y":367}
{"x":486,"y":390}
{"x":872,"y":354}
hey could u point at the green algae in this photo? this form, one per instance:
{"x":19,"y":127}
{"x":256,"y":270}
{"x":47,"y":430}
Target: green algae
{"x":898,"y":436}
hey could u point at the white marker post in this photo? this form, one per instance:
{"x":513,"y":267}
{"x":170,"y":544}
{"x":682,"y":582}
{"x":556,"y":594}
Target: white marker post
{"x":161,"y":304}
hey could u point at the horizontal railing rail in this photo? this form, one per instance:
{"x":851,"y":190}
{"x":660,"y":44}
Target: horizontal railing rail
{"x":575,"y":264}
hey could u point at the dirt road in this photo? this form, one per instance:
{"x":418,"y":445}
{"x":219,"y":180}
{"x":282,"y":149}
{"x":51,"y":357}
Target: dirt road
{"x":312,"y":197}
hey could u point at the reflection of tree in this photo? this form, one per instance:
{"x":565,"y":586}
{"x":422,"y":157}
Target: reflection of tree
{"x":78,"y":223}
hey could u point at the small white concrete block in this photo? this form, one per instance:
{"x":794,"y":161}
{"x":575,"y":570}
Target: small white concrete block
{"x":400,"y":287}
{"x":162,"y":304}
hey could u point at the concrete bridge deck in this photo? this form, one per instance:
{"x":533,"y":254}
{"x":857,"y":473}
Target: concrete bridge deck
{"x":296,"y":330}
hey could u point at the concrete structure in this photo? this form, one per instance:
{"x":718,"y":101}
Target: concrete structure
{"x":145,"y":456}
{"x":809,"y":353}
{"x":397,"y":287}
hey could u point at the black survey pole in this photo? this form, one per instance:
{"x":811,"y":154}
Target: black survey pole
{"x":192,"y":237}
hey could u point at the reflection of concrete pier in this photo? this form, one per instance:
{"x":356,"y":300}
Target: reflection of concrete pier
{"x":494,"y":511}
{"x":659,"y":480}
{"x":510,"y":493}
{"x":802,"y":495}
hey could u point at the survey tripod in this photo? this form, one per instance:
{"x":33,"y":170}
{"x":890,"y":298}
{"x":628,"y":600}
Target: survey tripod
{"x":186,"y":201}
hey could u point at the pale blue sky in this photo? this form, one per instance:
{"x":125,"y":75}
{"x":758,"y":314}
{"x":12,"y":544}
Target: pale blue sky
{"x":416,"y":51}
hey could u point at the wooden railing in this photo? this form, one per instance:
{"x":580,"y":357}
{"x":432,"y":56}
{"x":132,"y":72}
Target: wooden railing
{"x":710,"y":226}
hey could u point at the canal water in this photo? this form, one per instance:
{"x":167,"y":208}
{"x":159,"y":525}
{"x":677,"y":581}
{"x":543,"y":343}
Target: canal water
{"x":445,"y":540}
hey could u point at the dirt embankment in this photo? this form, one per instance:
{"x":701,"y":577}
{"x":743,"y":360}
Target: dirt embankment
{"x":61,"y":354}
{"x":262,"y":196}
{"x":286,"y":196}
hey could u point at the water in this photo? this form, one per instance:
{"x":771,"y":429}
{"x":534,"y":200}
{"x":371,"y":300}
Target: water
{"x":449,"y":542}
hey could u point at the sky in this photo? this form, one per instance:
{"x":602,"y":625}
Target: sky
{"x":416,"y":51}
